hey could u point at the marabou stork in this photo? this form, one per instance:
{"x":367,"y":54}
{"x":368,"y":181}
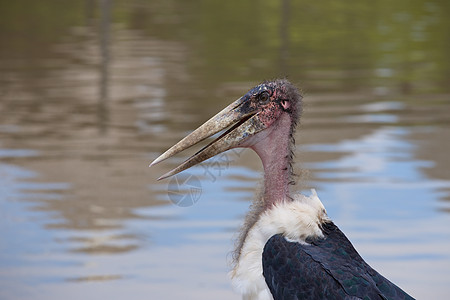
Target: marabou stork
{"x":289,"y":248}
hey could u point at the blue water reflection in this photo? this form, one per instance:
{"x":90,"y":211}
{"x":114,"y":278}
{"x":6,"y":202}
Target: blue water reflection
{"x":22,"y":227}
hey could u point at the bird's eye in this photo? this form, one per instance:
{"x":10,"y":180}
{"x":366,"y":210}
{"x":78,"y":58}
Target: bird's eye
{"x":264,"y":97}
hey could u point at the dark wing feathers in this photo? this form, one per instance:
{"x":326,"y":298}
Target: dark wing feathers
{"x":328,"y":268}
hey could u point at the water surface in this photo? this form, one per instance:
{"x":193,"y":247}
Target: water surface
{"x":91,"y":92}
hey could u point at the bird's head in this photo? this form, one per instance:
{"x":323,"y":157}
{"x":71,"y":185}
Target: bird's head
{"x":245,"y":122}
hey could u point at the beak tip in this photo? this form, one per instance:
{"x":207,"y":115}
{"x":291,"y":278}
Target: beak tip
{"x":157,"y":160}
{"x":162,"y":177}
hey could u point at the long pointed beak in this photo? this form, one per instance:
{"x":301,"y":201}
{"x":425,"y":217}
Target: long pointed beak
{"x":245,"y":124}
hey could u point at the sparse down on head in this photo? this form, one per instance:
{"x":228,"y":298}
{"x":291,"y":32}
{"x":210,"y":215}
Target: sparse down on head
{"x":264,"y":118}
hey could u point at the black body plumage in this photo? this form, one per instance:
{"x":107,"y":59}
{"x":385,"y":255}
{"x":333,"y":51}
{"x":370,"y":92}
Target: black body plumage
{"x":325,"y":268}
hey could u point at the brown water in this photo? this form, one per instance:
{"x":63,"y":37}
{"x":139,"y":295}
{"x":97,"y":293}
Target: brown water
{"x":92,"y":91}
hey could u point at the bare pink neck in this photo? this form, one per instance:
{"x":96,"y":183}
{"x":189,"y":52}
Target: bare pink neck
{"x":274,"y":151}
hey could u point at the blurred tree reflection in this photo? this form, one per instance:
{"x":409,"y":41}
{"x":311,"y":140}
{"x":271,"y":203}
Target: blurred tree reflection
{"x":338,"y":44}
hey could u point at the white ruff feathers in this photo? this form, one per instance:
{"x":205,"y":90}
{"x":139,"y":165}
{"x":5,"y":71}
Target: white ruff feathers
{"x":296,"y":220}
